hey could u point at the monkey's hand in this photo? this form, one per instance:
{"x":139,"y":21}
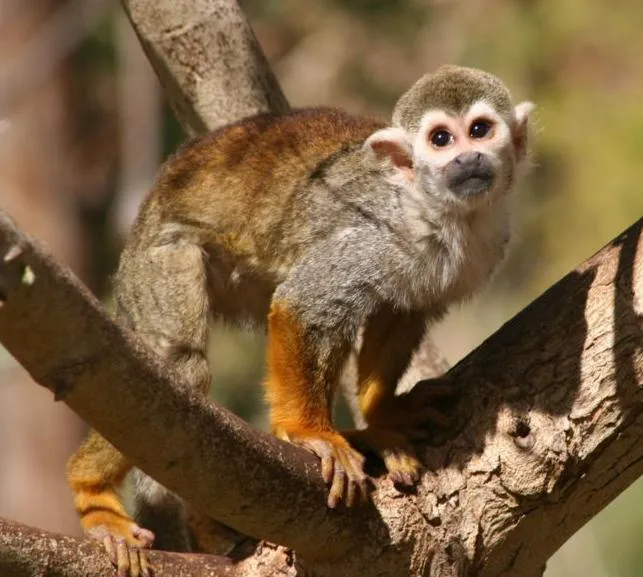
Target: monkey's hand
{"x":342,"y":466}
{"x":126,"y":552}
{"x":124,"y":541}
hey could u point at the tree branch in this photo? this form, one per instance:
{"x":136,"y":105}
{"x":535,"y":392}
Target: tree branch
{"x":59,"y":332}
{"x":210,"y":64}
{"x":548,"y":430}
{"x":25,"y":552}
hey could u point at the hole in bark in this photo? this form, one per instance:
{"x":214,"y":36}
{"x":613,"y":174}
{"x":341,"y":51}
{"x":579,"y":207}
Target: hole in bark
{"x":522,"y":434}
{"x":521,"y":429}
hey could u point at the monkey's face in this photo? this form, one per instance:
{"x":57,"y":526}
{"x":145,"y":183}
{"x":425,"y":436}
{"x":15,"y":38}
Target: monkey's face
{"x":467,"y":159}
{"x":458,"y":158}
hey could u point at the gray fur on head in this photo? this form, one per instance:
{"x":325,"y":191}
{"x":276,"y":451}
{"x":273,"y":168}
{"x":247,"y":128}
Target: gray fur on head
{"x":452,"y":89}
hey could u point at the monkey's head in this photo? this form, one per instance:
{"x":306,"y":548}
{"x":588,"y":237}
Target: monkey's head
{"x":456,"y":136}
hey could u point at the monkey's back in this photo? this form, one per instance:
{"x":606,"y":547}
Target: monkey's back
{"x":241,"y":185}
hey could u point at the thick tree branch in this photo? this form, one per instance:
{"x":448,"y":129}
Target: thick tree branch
{"x":211,"y":66}
{"x":548,"y":429}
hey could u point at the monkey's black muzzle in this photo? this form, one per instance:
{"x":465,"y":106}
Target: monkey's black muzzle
{"x":470,"y":174}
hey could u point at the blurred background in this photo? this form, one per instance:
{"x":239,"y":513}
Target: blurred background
{"x":83,"y":128}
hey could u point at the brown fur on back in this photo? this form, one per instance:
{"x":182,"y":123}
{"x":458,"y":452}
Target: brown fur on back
{"x":254,"y":155}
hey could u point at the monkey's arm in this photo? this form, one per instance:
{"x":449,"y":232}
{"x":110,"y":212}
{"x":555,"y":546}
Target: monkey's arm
{"x":390,"y":338}
{"x":304,"y":364}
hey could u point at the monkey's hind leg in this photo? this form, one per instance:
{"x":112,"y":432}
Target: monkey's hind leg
{"x":162,"y":294}
{"x":94,"y":472}
{"x":389,"y":341}
{"x":303,"y":371}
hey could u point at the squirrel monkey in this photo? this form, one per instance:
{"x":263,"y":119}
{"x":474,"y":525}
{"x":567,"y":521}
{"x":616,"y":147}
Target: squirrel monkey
{"x":323,"y":224}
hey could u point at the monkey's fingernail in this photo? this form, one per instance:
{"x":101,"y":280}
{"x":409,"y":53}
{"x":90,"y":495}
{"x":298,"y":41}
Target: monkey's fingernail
{"x":14,"y":252}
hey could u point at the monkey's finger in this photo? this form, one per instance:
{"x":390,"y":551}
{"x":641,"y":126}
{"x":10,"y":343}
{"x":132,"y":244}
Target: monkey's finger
{"x":325,"y":453}
{"x":337,"y":488}
{"x":122,"y":558}
{"x":108,"y":543}
{"x":328,"y":469}
{"x":353,"y":463}
{"x":403,"y":466}
{"x":134,"y":564}
{"x":396,"y":470}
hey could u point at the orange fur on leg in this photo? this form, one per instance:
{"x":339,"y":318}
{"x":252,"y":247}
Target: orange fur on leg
{"x":300,"y":389}
{"x":389,"y":341}
{"x":295,"y":404}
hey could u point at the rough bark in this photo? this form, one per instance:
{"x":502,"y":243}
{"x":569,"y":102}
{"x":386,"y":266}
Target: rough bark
{"x":208,"y":60}
{"x":547,"y":432}
{"x":25,"y":552}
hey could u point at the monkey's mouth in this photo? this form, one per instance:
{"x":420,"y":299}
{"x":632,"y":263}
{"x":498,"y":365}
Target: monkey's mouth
{"x":470,"y":174}
{"x":471,"y":182}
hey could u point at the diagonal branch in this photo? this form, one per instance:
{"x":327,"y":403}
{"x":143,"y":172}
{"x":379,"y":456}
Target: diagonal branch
{"x":548,"y":431}
{"x":211,"y":66}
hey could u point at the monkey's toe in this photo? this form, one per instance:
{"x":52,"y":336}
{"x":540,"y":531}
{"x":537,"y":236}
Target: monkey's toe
{"x":348,"y":482}
{"x":403,"y":468}
{"x":394,"y":449}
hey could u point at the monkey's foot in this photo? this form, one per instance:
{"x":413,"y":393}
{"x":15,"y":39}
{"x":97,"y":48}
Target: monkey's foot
{"x":125,"y":545}
{"x":342,"y":466}
{"x":393,"y":448}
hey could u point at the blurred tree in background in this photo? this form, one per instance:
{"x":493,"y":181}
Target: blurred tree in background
{"x":83,"y":129}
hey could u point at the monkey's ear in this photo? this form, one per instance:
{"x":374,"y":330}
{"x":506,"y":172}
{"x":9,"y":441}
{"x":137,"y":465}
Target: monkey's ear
{"x":521,"y":128}
{"x":391,"y":148}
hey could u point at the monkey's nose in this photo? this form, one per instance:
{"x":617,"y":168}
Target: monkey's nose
{"x":472,"y":157}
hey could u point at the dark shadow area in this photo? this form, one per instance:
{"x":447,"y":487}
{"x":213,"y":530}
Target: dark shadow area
{"x":628,"y":324}
{"x":532,"y":362}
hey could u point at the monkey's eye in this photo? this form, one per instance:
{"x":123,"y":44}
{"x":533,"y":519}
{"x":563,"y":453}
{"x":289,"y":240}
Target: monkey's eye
{"x":480,"y":129}
{"x":441,"y":138}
